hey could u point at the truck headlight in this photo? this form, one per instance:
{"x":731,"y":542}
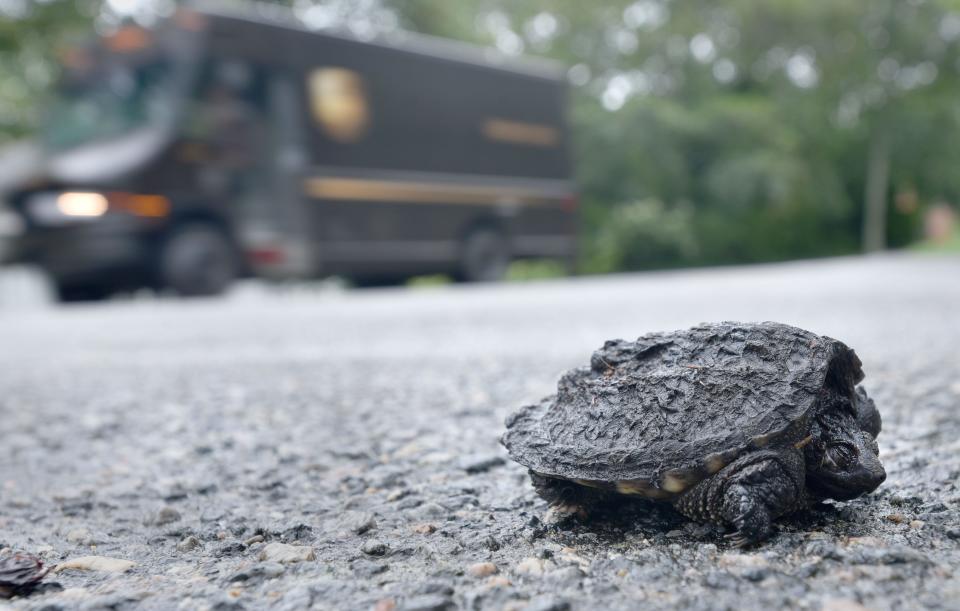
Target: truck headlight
{"x":82,"y":204}
{"x":53,"y":209}
{"x":78,"y":206}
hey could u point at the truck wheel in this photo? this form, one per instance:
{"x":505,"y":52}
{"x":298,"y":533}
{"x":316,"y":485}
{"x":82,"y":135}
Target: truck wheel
{"x":198,"y":259}
{"x":76,"y":292}
{"x":484,"y":257}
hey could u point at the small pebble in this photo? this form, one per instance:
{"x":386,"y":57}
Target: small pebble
{"x":253,"y":539}
{"x":361,"y":523}
{"x":167,"y":515}
{"x":96,"y":563}
{"x":424,"y":529}
{"x":482,"y":569}
{"x":284,"y":553}
{"x":385,"y":604}
{"x":530,"y":567}
{"x":434,"y":587}
{"x":498,"y":581}
{"x":374,"y":547}
{"x":258,"y":573}
{"x":188,"y":543}
{"x":234,"y":548}
{"x":298,"y":532}
{"x":80,"y":536}
{"x":396,"y":495}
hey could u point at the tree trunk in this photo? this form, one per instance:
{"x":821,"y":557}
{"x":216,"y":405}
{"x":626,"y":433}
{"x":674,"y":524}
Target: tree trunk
{"x":875,"y":194}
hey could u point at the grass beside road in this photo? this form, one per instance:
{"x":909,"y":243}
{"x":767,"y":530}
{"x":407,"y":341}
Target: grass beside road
{"x":535,"y":269}
{"x":940,"y":246}
{"x":523,"y":270}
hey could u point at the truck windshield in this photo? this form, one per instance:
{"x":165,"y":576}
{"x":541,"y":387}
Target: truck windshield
{"x":109,"y":100}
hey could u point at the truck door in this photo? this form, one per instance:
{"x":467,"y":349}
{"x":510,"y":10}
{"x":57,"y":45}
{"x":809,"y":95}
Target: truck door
{"x":247,"y":123}
{"x":287,"y":247}
{"x":224,"y":138}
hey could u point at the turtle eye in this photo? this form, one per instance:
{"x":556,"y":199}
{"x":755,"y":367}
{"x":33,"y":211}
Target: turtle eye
{"x":842,"y":454}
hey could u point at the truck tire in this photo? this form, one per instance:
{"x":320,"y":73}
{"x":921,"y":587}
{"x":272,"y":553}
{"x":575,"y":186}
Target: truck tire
{"x":77,"y":292}
{"x":484,"y":256}
{"x":196,"y":260}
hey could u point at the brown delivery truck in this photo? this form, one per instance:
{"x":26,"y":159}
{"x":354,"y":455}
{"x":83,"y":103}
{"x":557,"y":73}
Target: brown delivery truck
{"x":219,"y":144}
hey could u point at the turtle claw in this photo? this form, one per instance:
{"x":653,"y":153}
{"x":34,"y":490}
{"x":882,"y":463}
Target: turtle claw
{"x":739,"y":539}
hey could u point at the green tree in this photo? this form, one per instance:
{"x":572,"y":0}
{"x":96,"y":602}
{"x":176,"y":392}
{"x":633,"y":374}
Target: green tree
{"x":31,"y":35}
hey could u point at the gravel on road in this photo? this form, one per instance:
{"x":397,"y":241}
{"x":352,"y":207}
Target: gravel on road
{"x":289,"y":449}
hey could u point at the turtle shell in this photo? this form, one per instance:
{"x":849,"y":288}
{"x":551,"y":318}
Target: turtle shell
{"x":655,"y":416}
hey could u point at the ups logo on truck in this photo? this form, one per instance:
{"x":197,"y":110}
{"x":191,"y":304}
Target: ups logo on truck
{"x":338,"y":102}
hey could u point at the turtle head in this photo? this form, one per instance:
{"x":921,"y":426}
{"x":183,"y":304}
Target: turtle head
{"x":842,"y":458}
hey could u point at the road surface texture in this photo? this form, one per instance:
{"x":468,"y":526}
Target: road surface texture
{"x":190,"y":438}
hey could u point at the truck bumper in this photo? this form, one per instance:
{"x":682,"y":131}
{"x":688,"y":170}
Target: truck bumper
{"x":113,"y":251}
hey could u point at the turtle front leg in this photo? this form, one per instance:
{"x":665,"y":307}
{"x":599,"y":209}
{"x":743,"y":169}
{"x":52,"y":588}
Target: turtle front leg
{"x":565,"y":498}
{"x":749,"y":494}
{"x":744,"y":509}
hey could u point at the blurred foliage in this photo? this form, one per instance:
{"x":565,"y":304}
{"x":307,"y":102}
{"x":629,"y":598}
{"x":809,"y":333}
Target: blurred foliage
{"x":31,"y":35}
{"x":719,"y":132}
{"x":947,"y":246}
{"x":430,"y":281}
{"x":535,"y":269}
{"x":645,"y":234}
{"x":706,"y":131}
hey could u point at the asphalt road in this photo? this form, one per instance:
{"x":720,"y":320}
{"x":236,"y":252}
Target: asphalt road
{"x":191,"y":437}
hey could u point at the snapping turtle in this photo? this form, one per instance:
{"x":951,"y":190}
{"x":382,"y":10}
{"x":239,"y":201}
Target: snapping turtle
{"x":734,"y":424}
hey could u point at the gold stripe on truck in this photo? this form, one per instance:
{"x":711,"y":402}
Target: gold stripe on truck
{"x":362,"y":189}
{"x":520,"y":132}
